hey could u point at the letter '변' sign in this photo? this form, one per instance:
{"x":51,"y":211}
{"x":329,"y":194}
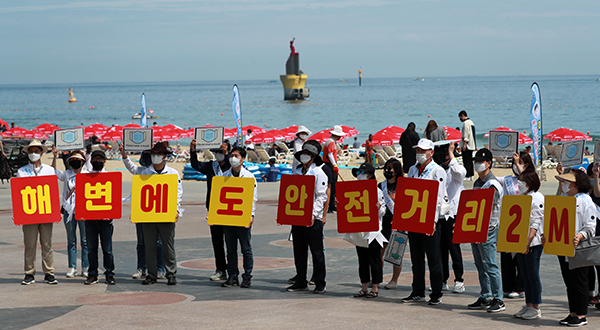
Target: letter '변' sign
{"x":231,"y":201}
{"x":35,"y":200}
{"x":473,"y":216}
{"x":416,"y":202}
{"x":296,"y":194}
{"x":357,"y":207}
{"x":559,"y":225}
{"x":154,"y":198}
{"x":514,"y":223}
{"x":98,"y":196}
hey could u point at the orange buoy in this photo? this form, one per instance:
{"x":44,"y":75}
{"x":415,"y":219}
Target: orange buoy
{"x":429,"y":116}
{"x":221,"y":113}
{"x":92,"y":107}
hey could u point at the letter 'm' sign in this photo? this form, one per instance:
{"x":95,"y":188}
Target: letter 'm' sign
{"x":514,"y":223}
{"x":473,"y":216}
{"x":296,"y":195}
{"x":416,"y":203}
{"x":559,"y":225}
{"x":35,"y":200}
{"x":357,"y":206}
{"x":231,"y":201}
{"x":154,"y":198}
{"x":98,"y":196}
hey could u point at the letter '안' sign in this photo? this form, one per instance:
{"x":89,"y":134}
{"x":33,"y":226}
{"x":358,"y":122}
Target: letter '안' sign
{"x":35,"y":200}
{"x":357,"y":208}
{"x":559,"y":225}
{"x":473,"y":216}
{"x":514,"y":223}
{"x":416,"y":202}
{"x":154,"y":198}
{"x":231,"y":201}
{"x":296,"y":194}
{"x":98,"y":196}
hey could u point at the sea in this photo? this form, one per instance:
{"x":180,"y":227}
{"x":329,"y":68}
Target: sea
{"x":567,"y":101}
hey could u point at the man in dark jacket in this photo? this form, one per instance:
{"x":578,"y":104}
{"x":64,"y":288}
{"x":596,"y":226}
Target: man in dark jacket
{"x":408,"y":139}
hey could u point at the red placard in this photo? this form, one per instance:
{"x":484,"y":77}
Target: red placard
{"x":296,"y":196}
{"x":35,"y":200}
{"x":416,"y":203}
{"x":473,"y":216}
{"x":357,"y":206}
{"x":98,"y":196}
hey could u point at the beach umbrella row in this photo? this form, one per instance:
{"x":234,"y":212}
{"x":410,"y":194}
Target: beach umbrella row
{"x":18,"y":132}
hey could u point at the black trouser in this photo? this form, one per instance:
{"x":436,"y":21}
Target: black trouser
{"x":303,"y":238}
{"x":512,"y":279}
{"x":103,"y":229}
{"x":592,"y":278}
{"x":467,"y":156}
{"x":217,"y":236}
{"x":332,"y":206}
{"x":370,"y":265}
{"x":421,"y":245}
{"x":576,"y":281}
{"x":446,"y":246}
{"x":166,"y":230}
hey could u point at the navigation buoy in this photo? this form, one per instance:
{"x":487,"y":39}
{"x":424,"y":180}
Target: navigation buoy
{"x":221,"y":113}
{"x":92,"y":107}
{"x":428,"y":116}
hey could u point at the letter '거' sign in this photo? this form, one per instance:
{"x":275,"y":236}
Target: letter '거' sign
{"x":35,"y":200}
{"x":473,"y":216}
{"x":357,"y":207}
{"x":231,"y":201}
{"x":416,"y":202}
{"x":98,"y":196}
{"x":559,"y":225}
{"x":154,"y":198}
{"x":296,"y":195}
{"x":514,"y":223}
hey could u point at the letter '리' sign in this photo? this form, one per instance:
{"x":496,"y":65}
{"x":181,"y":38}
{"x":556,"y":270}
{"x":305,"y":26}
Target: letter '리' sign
{"x":98,"y":196}
{"x":416,"y":202}
{"x":231,"y":201}
{"x":559,"y":225}
{"x":154,"y":198}
{"x":35,"y":200}
{"x":514,"y":223}
{"x":357,"y":206}
{"x":473,"y":216}
{"x":296,"y":194}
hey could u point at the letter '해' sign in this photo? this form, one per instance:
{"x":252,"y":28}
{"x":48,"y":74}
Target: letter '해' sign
{"x":35,"y":200}
{"x":296,"y":195}
{"x":98,"y":196}
{"x":514,"y":223}
{"x":473,"y":216}
{"x":357,"y":208}
{"x":559,"y":225}
{"x":231,"y":201}
{"x":416,"y":202}
{"x":154,"y":198}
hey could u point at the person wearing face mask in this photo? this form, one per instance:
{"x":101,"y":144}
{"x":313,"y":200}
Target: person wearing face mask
{"x":311,"y":236}
{"x":528,"y":184}
{"x":211,"y":169}
{"x":370,"y":263}
{"x":422,"y":244}
{"x":76,"y":161}
{"x":34,"y":152}
{"x":301,"y":136}
{"x":233,"y":234}
{"x":592,"y":172}
{"x":484,"y":254}
{"x":166,"y":230}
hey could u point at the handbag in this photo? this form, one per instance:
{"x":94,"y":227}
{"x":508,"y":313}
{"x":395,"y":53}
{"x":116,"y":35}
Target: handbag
{"x":358,"y":239}
{"x":587,"y":253}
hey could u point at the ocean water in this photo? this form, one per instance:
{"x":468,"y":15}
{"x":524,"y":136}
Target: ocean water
{"x":568,"y":101}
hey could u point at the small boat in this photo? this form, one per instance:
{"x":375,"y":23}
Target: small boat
{"x":72,"y":98}
{"x":139,"y":115}
{"x":419,"y":79}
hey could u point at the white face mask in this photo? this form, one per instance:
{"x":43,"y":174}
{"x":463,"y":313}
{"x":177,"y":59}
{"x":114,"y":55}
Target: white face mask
{"x":219,"y":157}
{"x":234,"y":161}
{"x":422,"y":158}
{"x":362,"y":177}
{"x":479,"y":167}
{"x":303,"y":136}
{"x":305,"y":159}
{"x":566,"y":186}
{"x":157,"y":159}
{"x":34,"y":157}
{"x":522,"y":187}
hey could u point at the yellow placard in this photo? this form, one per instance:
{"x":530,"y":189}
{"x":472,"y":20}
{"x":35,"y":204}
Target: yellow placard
{"x":154,"y":198}
{"x":514,"y":223}
{"x":231,"y":201}
{"x":559,"y":225}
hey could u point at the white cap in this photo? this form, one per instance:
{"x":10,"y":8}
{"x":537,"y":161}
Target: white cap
{"x":337,"y":131}
{"x":303,"y":129}
{"x":424,"y":144}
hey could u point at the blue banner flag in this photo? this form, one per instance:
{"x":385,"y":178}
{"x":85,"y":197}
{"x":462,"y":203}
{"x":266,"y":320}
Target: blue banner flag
{"x":237,"y":114}
{"x":143,"y":122}
{"x":536,"y":123}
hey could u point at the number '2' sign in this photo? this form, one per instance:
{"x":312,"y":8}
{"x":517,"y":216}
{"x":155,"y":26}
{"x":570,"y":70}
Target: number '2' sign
{"x":514,"y":223}
{"x":473,"y":217}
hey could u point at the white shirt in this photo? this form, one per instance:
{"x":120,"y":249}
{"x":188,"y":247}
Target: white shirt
{"x":455,"y":175}
{"x":587,"y":213}
{"x":297,"y":147}
{"x":244,"y":173}
{"x":320,"y":188}
{"x":377,"y":235}
{"x":68,"y":177}
{"x":250,"y":145}
{"x":168,"y":170}
{"x":434,"y":172}
{"x":536,"y":221}
{"x":132,"y":168}
{"x":29,"y":170}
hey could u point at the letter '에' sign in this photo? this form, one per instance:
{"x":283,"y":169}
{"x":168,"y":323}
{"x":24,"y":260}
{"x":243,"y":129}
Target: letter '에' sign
{"x":296,"y":195}
{"x":231,"y":201}
{"x":357,"y":206}
{"x":416,"y":203}
{"x":98,"y":196}
{"x":154,"y":198}
{"x":35,"y":200}
{"x":514,"y":223}
{"x":559,"y":225}
{"x":473,"y":216}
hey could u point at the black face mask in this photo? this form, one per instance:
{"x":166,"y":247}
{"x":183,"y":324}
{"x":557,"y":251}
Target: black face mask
{"x":75,"y":164}
{"x":445,"y":166}
{"x":388,"y":174}
{"x":97,"y":165}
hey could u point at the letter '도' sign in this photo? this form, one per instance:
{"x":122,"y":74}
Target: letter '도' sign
{"x":154,"y":198}
{"x":231,"y":201}
{"x":35,"y":200}
{"x":296,"y":195}
{"x":416,"y":202}
{"x":473,"y":216}
{"x":98,"y":196}
{"x":559,"y":225}
{"x":357,"y":208}
{"x":514,"y":223}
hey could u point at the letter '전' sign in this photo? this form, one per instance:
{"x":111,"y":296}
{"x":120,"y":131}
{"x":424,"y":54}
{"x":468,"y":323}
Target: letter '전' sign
{"x":98,"y":196}
{"x":416,"y":202}
{"x":231,"y":201}
{"x":473,"y":216}
{"x":559,"y":225}
{"x":35,"y":200}
{"x":296,"y":195}
{"x":154,"y":198}
{"x":357,"y":206}
{"x":514,"y":223}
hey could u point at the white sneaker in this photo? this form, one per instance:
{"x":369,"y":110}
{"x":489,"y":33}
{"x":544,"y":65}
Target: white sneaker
{"x":532,"y":314}
{"x":523,"y":310}
{"x":138,"y":274}
{"x":444,"y":287}
{"x":459,"y":287}
{"x":391,"y":286}
{"x":72,"y":272}
{"x":84,"y":272}
{"x":160,"y":275}
{"x":513,"y":295}
{"x":218,"y":276}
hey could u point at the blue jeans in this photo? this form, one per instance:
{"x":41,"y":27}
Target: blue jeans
{"x":71,"y":228}
{"x":104,"y":230}
{"x":530,"y":268}
{"x":141,"y":251}
{"x":232,"y":235}
{"x":490,"y":279}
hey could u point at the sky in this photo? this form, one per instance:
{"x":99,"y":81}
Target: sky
{"x":58,"y":41}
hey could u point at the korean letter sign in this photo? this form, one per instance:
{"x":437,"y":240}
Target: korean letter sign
{"x":154,"y":198}
{"x":357,"y":207}
{"x":473,"y":216}
{"x":416,"y":203}
{"x":231,"y":201}
{"x":35,"y":200}
{"x":98,"y":196}
{"x":296,"y":194}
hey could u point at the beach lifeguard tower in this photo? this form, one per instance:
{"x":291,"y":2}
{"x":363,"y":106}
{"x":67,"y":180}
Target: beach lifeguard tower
{"x":294,"y":79}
